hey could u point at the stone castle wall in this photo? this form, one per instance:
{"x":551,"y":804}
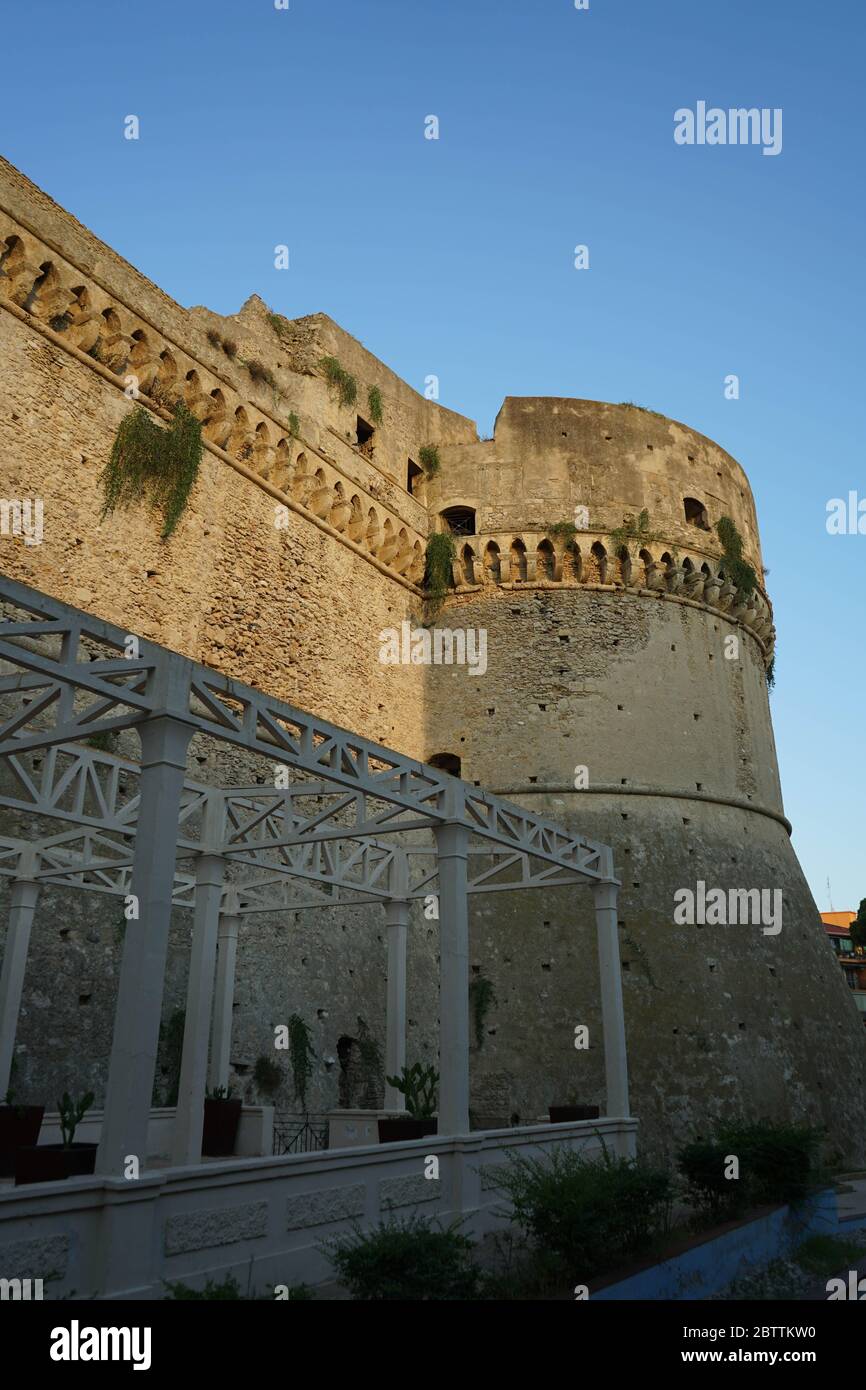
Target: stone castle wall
{"x":603,"y":651}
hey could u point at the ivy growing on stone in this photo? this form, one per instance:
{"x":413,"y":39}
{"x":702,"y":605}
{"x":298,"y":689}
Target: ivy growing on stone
{"x":736,"y":568}
{"x":156,"y":465}
{"x":342,"y":381}
{"x":562,"y":530}
{"x":430,"y":461}
{"x":482,"y":997}
{"x":374,"y":405}
{"x":632,"y":529}
{"x":438,"y":564}
{"x":301,"y":1055}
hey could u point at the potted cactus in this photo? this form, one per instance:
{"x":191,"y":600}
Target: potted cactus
{"x":52,"y":1162}
{"x":222,"y":1116}
{"x":420,"y":1088}
{"x":19,"y":1128}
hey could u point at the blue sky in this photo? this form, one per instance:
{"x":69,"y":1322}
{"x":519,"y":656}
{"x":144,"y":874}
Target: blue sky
{"x":455,"y":256}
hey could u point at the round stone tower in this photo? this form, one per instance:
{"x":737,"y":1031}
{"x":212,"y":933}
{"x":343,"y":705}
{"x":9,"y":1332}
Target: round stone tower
{"x":625,"y":694}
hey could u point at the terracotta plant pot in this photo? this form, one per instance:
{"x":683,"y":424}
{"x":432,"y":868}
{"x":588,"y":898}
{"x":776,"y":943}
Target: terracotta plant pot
{"x":560,"y":1114}
{"x":19,"y":1128}
{"x":53,"y":1162}
{"x":221,"y":1121}
{"x":396,"y":1131}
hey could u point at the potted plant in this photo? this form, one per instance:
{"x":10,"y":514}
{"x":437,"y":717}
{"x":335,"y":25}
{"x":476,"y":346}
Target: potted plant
{"x":222,"y":1116}
{"x":52,"y":1162}
{"x":420,"y":1088}
{"x":561,"y":1114}
{"x":19,"y":1128}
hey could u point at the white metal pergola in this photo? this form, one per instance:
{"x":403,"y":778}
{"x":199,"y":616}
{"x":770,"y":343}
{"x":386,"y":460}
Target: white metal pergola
{"x":343,"y":832}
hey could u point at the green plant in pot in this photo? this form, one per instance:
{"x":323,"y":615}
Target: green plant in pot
{"x":419,"y":1087}
{"x":222,"y":1116}
{"x":53,"y":1162}
{"x":19,"y":1127}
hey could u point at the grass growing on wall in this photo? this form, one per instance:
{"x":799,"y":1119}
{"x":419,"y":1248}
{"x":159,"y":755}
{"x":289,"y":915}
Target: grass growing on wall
{"x":152,"y":464}
{"x":342,"y":381}
{"x":632,"y":529}
{"x":737,"y":569}
{"x":438,"y":561}
{"x":428,"y":455}
{"x":374,"y":405}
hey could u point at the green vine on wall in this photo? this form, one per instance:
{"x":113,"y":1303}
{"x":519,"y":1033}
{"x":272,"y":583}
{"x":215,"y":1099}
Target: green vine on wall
{"x":157,"y":465}
{"x":438,"y":566}
{"x":562,"y":530}
{"x":301,"y":1055}
{"x":374,"y":405}
{"x":737,"y":569}
{"x":428,"y":455}
{"x":340,"y":380}
{"x":482,"y":997}
{"x":633,"y":529}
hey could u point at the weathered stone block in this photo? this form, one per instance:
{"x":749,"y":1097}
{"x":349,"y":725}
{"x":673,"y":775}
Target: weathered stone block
{"x":201,"y":1230}
{"x":321,"y":1208}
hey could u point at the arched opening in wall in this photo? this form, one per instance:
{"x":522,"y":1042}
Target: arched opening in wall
{"x":300,"y":478}
{"x":215,"y":427}
{"x":624,"y":565}
{"x":341,"y":509}
{"x":239,"y":440}
{"x":416,"y":572}
{"x":365,"y":436}
{"x":648,"y":567}
{"x":696,"y":513}
{"x":191,"y":388}
{"x":38,"y":288}
{"x":414,"y":479}
{"x":493,"y":563}
{"x":357,"y":521}
{"x":574,"y":561}
{"x":282,"y":465}
{"x":468,"y":561}
{"x":459,"y":520}
{"x":598,"y":564}
{"x":373,"y":538}
{"x":164,"y":388}
{"x":518,"y":560}
{"x":262,"y":449}
{"x":446,"y":762}
{"x":545,"y":560}
{"x":8,"y":248}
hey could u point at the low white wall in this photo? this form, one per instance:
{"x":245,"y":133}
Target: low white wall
{"x":255,"y":1131}
{"x":262,"y":1220}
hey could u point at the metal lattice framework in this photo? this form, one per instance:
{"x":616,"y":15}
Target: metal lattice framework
{"x":345,"y":822}
{"x":325,"y":830}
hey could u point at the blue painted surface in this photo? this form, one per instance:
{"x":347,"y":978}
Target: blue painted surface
{"x":707,"y":1269}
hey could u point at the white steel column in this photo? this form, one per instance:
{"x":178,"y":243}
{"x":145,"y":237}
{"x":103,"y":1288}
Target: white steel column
{"x":134,"y":1046}
{"x":397,"y":922}
{"x":189,"y":1121}
{"x":452,"y":840}
{"x":612,"y":1013}
{"x":221,"y":1038}
{"x":21,"y":908}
